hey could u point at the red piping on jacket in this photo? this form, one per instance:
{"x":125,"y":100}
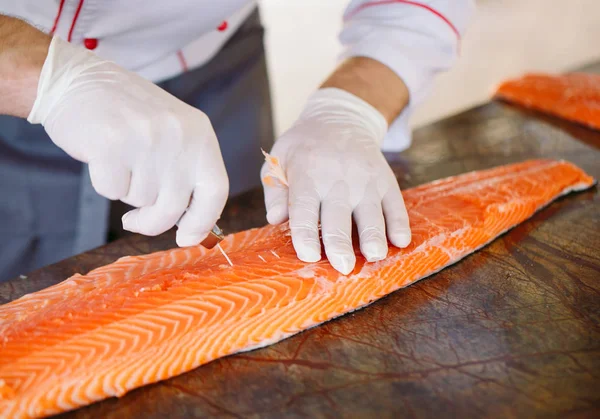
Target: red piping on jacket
{"x":75,"y":20}
{"x":57,"y":18}
{"x":412,"y":3}
{"x":182,"y":60}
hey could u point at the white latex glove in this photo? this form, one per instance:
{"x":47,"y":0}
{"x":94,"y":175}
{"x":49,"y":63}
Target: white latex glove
{"x":143,"y":145}
{"x":335,"y":171}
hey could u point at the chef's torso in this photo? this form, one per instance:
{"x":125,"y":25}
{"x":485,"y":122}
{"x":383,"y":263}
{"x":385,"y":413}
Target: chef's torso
{"x":157,"y":39}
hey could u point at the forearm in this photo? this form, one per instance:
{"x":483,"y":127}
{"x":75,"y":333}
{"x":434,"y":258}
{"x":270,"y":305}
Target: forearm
{"x":373,"y":82}
{"x":23,"y":50}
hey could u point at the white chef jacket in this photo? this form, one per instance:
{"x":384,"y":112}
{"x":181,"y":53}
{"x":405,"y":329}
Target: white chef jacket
{"x":161,"y":39}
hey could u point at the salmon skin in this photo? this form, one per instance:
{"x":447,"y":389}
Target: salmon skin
{"x":572,"y":96}
{"x":146,"y":318}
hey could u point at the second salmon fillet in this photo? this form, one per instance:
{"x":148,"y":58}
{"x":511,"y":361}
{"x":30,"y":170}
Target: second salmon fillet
{"x":573,"y":96}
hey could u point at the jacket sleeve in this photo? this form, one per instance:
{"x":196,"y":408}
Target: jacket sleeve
{"x":416,"y":39}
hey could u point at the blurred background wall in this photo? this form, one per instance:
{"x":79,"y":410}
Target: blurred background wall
{"x":506,"y":38}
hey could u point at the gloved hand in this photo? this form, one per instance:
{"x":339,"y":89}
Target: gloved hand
{"x":335,"y":171}
{"x":143,"y":146}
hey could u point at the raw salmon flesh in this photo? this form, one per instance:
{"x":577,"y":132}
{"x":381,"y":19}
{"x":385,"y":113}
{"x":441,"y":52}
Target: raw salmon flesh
{"x":572,"y":96}
{"x":146,"y":318}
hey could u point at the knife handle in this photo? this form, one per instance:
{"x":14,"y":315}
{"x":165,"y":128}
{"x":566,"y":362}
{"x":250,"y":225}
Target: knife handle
{"x":214,"y":237}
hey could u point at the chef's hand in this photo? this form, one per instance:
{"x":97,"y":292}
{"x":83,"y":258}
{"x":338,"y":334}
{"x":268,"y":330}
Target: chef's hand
{"x":143,"y":146}
{"x":335,"y":171}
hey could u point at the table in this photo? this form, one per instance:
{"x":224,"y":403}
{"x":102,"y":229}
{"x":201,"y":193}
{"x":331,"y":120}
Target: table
{"x":511,"y":331}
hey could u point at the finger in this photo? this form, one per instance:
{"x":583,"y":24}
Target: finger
{"x":396,"y":218}
{"x":276,"y":199}
{"x":143,"y":188}
{"x":304,"y":220}
{"x":109,"y":179}
{"x":155,"y":219}
{"x":336,"y":228}
{"x":202,"y":214}
{"x":370,"y":223}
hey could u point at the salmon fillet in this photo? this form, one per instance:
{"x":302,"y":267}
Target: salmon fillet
{"x":146,"y":318}
{"x":573,"y":96}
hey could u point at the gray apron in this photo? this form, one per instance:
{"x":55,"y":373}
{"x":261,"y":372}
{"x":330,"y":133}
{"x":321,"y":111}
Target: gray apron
{"x":48,"y":208}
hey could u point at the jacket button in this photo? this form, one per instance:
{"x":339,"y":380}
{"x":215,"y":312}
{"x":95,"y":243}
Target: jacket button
{"x":223,"y":26}
{"x":90,"y":43}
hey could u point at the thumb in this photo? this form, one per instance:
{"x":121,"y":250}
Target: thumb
{"x":276,"y":197}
